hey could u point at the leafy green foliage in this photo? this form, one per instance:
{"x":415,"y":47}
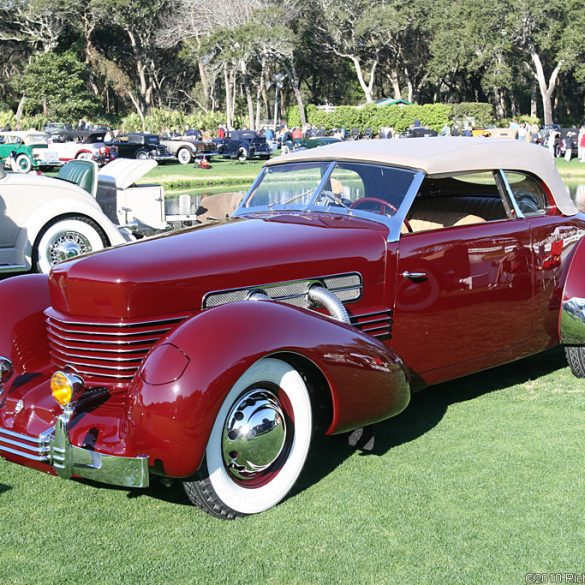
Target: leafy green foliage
{"x":399,"y":118}
{"x":56,"y":84}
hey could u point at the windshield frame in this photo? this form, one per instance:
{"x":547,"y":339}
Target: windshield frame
{"x":393,"y":223}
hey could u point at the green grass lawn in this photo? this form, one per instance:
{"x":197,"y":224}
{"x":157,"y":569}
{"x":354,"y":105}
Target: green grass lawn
{"x":479,"y":481}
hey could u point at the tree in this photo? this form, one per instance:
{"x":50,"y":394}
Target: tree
{"x":57,"y":85}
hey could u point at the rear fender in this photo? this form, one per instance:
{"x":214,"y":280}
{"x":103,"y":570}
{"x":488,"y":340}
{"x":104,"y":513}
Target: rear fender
{"x":572,"y":315}
{"x":178,"y":391}
{"x":23,"y":337}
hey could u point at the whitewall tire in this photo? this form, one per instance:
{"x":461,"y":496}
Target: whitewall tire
{"x":67,"y":238}
{"x":184,"y":156}
{"x":242,"y":475}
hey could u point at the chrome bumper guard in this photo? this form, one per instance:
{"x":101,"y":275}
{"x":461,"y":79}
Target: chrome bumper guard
{"x":572,"y":328}
{"x":53,"y":447}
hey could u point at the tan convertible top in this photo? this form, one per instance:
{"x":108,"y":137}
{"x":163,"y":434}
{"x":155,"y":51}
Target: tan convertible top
{"x":447,"y":155}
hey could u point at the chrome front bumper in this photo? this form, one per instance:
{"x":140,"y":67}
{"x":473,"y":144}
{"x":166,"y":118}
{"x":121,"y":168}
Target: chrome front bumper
{"x":53,"y":448}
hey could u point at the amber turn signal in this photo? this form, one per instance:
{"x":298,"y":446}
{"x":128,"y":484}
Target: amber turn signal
{"x":64,"y":387}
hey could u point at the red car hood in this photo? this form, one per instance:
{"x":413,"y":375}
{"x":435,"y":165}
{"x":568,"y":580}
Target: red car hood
{"x":171,"y":273}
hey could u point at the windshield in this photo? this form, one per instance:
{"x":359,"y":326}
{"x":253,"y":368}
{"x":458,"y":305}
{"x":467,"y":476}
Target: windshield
{"x":325,"y":186}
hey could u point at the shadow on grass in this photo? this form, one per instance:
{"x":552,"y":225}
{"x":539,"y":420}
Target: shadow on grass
{"x":4,"y":488}
{"x":424,"y":412}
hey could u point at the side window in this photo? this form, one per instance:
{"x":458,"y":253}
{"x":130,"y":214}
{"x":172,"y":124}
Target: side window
{"x":445,"y":202}
{"x":528,"y":193}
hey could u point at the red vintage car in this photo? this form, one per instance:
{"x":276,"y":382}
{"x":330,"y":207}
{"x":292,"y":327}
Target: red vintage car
{"x":350,"y":276}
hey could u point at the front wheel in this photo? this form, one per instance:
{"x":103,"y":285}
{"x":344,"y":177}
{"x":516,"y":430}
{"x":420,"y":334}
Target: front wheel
{"x":242,"y":154}
{"x":84,"y":155}
{"x":67,"y":238}
{"x":576,"y":359}
{"x":141,"y":155}
{"x":258,"y":445}
{"x":184,"y":156}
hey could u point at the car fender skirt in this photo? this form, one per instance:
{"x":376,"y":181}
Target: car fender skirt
{"x":23,"y":337}
{"x":572,"y":314}
{"x":172,"y":414}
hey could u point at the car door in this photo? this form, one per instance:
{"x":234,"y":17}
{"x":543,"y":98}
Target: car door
{"x":464,"y":292}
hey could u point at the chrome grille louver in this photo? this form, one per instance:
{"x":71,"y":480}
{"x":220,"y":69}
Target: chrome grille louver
{"x":107,"y":351}
{"x":378,"y":324}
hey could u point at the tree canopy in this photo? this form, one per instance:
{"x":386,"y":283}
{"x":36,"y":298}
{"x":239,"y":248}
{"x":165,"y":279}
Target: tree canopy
{"x":246,"y":59}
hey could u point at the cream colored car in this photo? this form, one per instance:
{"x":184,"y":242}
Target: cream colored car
{"x":45,"y":220}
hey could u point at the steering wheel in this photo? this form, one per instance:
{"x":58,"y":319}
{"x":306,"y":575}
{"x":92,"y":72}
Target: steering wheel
{"x":381,"y":206}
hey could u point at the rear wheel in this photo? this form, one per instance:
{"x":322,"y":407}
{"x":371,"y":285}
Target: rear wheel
{"x":258,"y":445}
{"x":184,"y":156}
{"x":22,"y":164}
{"x":67,"y":238}
{"x":576,"y":358}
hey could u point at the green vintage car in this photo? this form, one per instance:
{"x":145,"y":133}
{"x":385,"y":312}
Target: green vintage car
{"x":24,"y":151}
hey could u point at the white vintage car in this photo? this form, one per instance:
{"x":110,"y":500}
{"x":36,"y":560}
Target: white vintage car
{"x":27,"y":150}
{"x":45,"y":220}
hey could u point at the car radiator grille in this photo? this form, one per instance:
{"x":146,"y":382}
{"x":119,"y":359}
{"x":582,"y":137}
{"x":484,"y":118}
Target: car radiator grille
{"x":106,"y":352}
{"x":377,"y":324}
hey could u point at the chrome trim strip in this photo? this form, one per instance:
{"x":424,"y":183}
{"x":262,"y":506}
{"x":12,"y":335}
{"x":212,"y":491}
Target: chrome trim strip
{"x":111,"y":333}
{"x":97,"y":358}
{"x":572,"y":324}
{"x":25,"y":455}
{"x":509,"y":193}
{"x":14,"y":443}
{"x":106,"y":342}
{"x":398,"y":218}
{"x":39,"y":439}
{"x":98,"y":366}
{"x":100,"y":349}
{"x":50,"y":315}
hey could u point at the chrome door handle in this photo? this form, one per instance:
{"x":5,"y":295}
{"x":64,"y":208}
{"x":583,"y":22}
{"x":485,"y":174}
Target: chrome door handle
{"x":414,"y":275}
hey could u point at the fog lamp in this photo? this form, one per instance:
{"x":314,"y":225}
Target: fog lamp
{"x":64,"y":387}
{"x":6,"y":370}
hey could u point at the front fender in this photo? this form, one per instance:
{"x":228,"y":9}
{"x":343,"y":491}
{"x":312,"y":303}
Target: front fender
{"x":23,"y":337}
{"x":572,"y":315}
{"x":178,"y":391}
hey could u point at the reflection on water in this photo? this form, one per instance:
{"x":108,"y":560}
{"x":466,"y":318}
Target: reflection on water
{"x":577,"y":194}
{"x":188,"y":202}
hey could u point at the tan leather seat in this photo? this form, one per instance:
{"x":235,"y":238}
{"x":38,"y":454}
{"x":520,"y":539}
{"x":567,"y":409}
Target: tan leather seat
{"x":440,"y":212}
{"x":218,"y":206}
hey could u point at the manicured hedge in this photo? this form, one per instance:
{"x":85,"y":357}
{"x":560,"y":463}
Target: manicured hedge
{"x":399,"y":118}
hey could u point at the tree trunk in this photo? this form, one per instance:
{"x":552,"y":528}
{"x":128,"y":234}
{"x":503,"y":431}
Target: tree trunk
{"x":546,"y":90}
{"x":20,"y":109}
{"x":289,"y":65}
{"x":228,"y":98}
{"x":534,"y":100}
{"x":367,"y":88}
{"x":395,"y":81}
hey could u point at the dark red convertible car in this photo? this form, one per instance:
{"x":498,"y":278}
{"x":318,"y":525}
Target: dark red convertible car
{"x":350,"y":276}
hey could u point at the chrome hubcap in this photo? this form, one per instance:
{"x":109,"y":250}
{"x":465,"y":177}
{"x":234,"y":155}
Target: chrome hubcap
{"x":254,"y":434}
{"x":68,"y":245}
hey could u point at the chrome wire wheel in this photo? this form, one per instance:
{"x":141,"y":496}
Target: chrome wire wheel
{"x":67,"y":238}
{"x":258,"y":445}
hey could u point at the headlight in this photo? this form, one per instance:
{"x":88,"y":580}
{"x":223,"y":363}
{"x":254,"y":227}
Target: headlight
{"x":64,"y":387}
{"x":6,"y":370}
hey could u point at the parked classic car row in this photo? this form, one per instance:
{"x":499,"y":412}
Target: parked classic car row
{"x":349,"y":277}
